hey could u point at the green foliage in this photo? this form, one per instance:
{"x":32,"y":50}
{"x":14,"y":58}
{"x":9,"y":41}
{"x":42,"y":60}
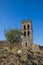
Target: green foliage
{"x":13,"y":35}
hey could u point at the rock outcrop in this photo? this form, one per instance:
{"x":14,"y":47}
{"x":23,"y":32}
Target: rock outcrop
{"x":21,"y":57}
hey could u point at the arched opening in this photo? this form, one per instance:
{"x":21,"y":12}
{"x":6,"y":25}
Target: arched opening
{"x":24,"y":33}
{"x":28,"y":26}
{"x":26,"y":44}
{"x":28,"y":33}
{"x":24,"y":27}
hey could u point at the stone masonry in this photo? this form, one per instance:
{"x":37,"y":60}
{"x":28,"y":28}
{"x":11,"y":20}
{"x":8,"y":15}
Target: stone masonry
{"x":27,"y":38}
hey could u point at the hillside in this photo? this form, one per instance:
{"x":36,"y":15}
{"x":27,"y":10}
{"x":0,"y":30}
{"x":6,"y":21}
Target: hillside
{"x":24,"y":56}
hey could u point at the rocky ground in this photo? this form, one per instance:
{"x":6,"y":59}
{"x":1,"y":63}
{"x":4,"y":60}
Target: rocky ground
{"x":23,"y":57}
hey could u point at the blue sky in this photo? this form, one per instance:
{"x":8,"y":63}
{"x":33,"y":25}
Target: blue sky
{"x":12,"y":12}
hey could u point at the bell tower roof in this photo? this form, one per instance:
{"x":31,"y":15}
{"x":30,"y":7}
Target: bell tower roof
{"x":26,"y":21}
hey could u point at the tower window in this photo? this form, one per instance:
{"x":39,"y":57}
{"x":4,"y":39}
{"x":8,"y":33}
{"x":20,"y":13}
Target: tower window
{"x":26,"y":44}
{"x":24,"y":27}
{"x":28,"y":26}
{"x":24,"y":33}
{"x":28,"y":33}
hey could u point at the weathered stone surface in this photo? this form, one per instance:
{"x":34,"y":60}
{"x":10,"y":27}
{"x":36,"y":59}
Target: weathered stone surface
{"x":35,"y":48}
{"x":27,"y":38}
{"x":27,"y":57}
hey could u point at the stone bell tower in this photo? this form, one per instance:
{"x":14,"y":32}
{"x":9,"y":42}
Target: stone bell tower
{"x":27,"y":38}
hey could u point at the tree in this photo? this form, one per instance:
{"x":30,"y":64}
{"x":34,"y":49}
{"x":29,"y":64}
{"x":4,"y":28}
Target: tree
{"x":12,"y":36}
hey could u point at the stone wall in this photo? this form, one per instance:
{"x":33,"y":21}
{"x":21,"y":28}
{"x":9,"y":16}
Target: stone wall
{"x":35,"y":48}
{"x":7,"y":44}
{"x":17,"y":45}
